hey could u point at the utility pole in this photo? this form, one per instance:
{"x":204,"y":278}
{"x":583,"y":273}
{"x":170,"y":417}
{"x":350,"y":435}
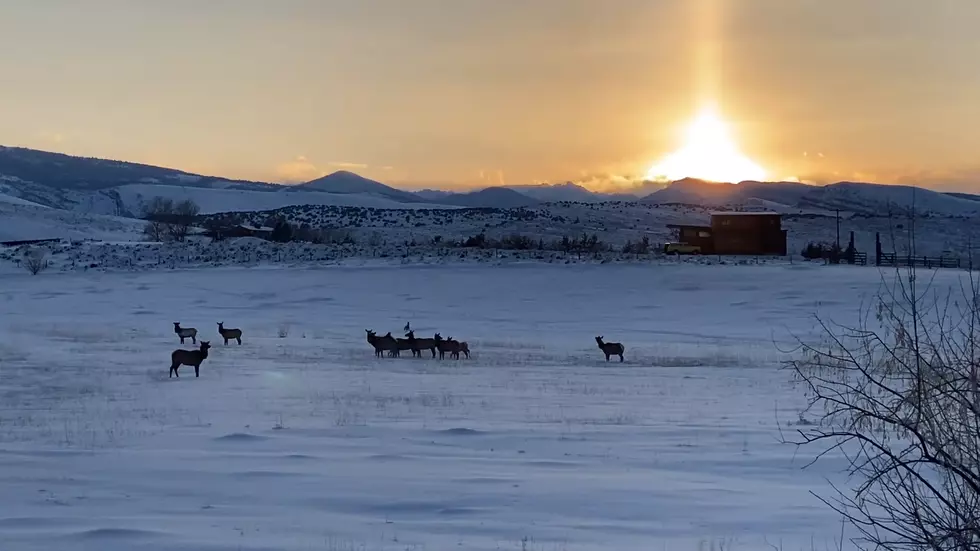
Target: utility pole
{"x":838,"y":229}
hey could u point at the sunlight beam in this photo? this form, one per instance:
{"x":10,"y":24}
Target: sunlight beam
{"x":709,"y":153}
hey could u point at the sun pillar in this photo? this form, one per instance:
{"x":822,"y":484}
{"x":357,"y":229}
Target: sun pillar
{"x":706,"y":19}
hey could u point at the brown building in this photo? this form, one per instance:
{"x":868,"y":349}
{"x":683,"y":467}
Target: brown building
{"x":737,"y":233}
{"x":700,"y":236}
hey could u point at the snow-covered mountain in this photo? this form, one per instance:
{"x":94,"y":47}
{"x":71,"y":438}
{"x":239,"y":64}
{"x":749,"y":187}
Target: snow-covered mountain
{"x":491,"y":197}
{"x":882,"y":200}
{"x":67,"y":172}
{"x":858,"y":198}
{"x":345,"y":182}
{"x":700,"y":192}
{"x":134,"y":196}
{"x":549,"y":193}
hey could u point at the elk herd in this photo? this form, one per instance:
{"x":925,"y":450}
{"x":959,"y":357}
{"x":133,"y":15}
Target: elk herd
{"x":381,"y":344}
{"x":394,"y":346}
{"x":194,"y":358}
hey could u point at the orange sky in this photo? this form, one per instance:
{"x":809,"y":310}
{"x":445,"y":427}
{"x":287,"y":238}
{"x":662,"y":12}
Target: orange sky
{"x":475,"y":92}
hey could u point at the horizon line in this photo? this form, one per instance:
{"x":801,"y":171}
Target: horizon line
{"x":464,"y":188}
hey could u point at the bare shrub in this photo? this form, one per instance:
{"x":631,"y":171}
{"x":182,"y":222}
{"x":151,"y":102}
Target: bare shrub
{"x":898,"y":397}
{"x":183,"y":218}
{"x":169,"y":220}
{"x":36,"y":261}
{"x":156,"y":231}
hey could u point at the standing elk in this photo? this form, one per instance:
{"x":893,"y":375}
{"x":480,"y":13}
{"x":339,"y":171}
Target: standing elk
{"x":185,"y":333}
{"x":442,"y":346}
{"x":455,"y":347}
{"x":452,"y":346}
{"x":418,"y":345}
{"x":611,"y":348}
{"x":381,"y":344}
{"x":181,"y":357}
{"x":229,"y":334}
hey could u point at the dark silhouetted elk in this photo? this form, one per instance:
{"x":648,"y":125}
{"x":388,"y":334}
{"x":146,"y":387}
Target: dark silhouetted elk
{"x":181,"y":357}
{"x":443,"y":346}
{"x":450,"y":345}
{"x":185,"y":333}
{"x":418,"y":345}
{"x":611,"y":348}
{"x":381,"y":344}
{"x":229,"y":334}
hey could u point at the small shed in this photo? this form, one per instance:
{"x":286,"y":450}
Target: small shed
{"x":748,"y":233}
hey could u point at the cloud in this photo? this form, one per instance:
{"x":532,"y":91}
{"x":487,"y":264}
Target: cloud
{"x":611,"y":182}
{"x":298,"y":170}
{"x":348,"y":166}
{"x":52,"y":137}
{"x":963,"y":179}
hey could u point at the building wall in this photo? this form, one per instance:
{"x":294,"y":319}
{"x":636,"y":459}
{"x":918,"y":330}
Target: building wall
{"x":748,"y":234}
{"x":701,"y":237}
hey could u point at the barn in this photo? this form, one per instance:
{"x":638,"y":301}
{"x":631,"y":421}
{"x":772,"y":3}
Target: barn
{"x":737,"y":233}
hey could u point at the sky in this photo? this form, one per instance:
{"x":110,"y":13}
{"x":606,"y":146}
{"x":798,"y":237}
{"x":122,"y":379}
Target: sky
{"x":467,"y":93}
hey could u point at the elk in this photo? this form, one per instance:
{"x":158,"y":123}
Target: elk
{"x":611,"y":348}
{"x":455,"y":347}
{"x":403,"y":344}
{"x":181,"y":357}
{"x":229,"y":334}
{"x":381,"y":344}
{"x":448,"y":345}
{"x":375,"y":341}
{"x":465,"y":349}
{"x":390,"y":344}
{"x":185,"y":332}
{"x":418,"y":345}
{"x":443,"y":346}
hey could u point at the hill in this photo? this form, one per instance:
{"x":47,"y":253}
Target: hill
{"x":133,"y":197}
{"x":67,"y":172}
{"x":345,"y":182}
{"x":700,"y":192}
{"x":882,"y":200}
{"x":550,"y":193}
{"x":858,"y":198}
{"x":22,"y":220}
{"x":491,"y":197}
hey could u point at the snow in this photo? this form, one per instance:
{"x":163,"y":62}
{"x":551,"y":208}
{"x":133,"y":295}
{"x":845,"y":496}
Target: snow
{"x":9,"y":199}
{"x":213,"y":200}
{"x":301,"y":439}
{"x":880,"y":199}
{"x":23,"y":220}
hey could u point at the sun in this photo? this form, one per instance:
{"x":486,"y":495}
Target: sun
{"x":708,"y":154}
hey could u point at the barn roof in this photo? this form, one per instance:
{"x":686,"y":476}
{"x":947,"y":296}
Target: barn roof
{"x":688,"y":226}
{"x":745,"y":213}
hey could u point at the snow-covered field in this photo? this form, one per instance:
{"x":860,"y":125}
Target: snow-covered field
{"x":23,"y":220}
{"x":300,"y":439}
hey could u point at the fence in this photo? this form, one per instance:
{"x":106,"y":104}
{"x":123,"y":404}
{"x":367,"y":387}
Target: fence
{"x":892,"y":259}
{"x":843,"y":257}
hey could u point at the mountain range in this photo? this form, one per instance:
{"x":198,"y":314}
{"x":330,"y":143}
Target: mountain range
{"x":118,"y":188}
